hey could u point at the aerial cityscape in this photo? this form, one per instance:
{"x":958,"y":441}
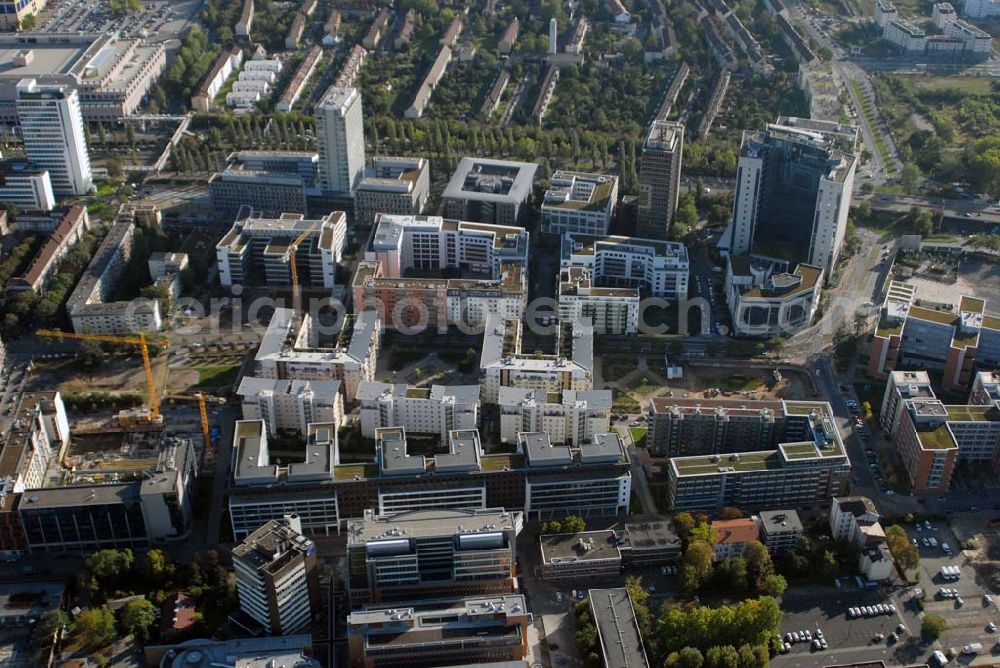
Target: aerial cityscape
{"x":499,"y":333}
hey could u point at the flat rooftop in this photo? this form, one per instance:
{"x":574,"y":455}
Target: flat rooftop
{"x":430,"y":523}
{"x":566,"y":548}
{"x":617,"y":629}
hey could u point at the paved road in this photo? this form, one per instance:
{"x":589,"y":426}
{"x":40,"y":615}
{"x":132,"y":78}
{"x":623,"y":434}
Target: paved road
{"x":226,"y":419}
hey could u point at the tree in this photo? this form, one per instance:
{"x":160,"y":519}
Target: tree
{"x":731,"y":574}
{"x":138,"y":617}
{"x":640,"y":603}
{"x":910,"y":178}
{"x":29,"y":22}
{"x":95,"y":626}
{"x":919,"y":221}
{"x":933,"y":626}
{"x":690,"y":657}
{"x":773,"y":585}
{"x":686,"y":216}
{"x":759,"y":564}
{"x":155,"y":564}
{"x":904,"y":553}
{"x":722,"y":656}
{"x":54,"y":620}
{"x":730,"y":513}
{"x":696,"y":565}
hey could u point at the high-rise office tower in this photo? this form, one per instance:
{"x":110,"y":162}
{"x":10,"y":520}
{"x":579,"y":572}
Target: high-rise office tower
{"x":52,"y":128}
{"x":553,"y":36}
{"x":276,"y":576}
{"x":660,"y":179}
{"x":793,"y":192}
{"x":340,"y":137}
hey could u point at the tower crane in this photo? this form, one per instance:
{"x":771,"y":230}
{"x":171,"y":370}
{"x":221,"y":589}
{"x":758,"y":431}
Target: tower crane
{"x":140,"y":340}
{"x":290,"y":254}
{"x":202,"y":400}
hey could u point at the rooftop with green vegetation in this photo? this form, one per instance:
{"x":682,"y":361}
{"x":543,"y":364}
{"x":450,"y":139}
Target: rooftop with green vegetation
{"x":973,"y":413}
{"x":743,"y":462}
{"x":355,"y":471}
{"x":491,"y":463}
{"x":887,"y":328}
{"x":937,"y":437}
{"x":941,"y":317}
{"x":972,"y":304}
{"x":799,"y":450}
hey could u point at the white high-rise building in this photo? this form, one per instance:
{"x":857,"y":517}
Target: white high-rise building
{"x":553,"y":36}
{"x":52,"y":128}
{"x":340,"y":137}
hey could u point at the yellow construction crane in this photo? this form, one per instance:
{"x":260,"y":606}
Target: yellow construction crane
{"x":291,"y":252}
{"x":139,"y":340}
{"x":202,"y":400}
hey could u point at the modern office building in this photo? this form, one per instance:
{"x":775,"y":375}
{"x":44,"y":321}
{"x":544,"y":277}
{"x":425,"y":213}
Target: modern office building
{"x":751,"y":454}
{"x":277,"y":578}
{"x":786,"y":175}
{"x":291,"y":405}
{"x":467,"y":272}
{"x":900,"y":388}
{"x":985,"y":388}
{"x":578,"y":202}
{"x":655,"y":268}
{"x":570,"y":416}
{"x":27,"y":187}
{"x":340,"y":140}
{"x":300,"y":163}
{"x":52,"y":128}
{"x":780,"y":530}
{"x":397,"y":186}
{"x":926,"y":445}
{"x":489,"y":191}
{"x":430,"y":553}
{"x":578,"y":556}
{"x":608,"y":310}
{"x":89,"y":306}
{"x":258,"y":244}
{"x":981,"y":9}
{"x":954,"y":339}
{"x":290,"y":349}
{"x":46,"y":262}
{"x":437,"y":410}
{"x":476,"y":630}
{"x":660,"y":178}
{"x":270,"y":193}
{"x":589,"y":479}
{"x":618,"y":631}
{"x":503,"y":364}
{"x":111,"y":74}
{"x":765,"y":303}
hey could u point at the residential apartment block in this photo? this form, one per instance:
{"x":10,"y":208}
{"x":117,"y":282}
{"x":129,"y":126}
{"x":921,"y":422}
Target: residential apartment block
{"x":397,"y":186}
{"x":764,"y":303}
{"x":43,"y":266}
{"x":748,"y":454}
{"x":578,"y":202}
{"x":570,"y":416}
{"x":431,"y":553}
{"x":589,"y":479}
{"x":655,"y":268}
{"x":277,"y":578}
{"x":476,"y":630}
{"x":489,"y":191}
{"x":502,"y":363}
{"x":437,"y":410}
{"x":89,"y":307}
{"x":27,"y":187}
{"x":289,"y":350}
{"x":950,"y":339}
{"x":788,"y":174}
{"x":608,"y":310}
{"x":732,"y":536}
{"x":489,"y":263}
{"x":659,"y":178}
{"x":291,"y":405}
{"x":262,"y":244}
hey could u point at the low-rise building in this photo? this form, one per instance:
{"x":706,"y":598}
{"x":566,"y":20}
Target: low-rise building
{"x":431,"y":79}
{"x":277,"y":578}
{"x":732,"y":536}
{"x":474,"y":630}
{"x":763,"y":303}
{"x":780,"y":530}
{"x":43,"y":266}
{"x":289,"y":350}
{"x":258,"y":242}
{"x":489,"y":191}
{"x":228,"y":62}
{"x":853,"y":518}
{"x":291,"y":405}
{"x":490,"y":261}
{"x":377,"y":30}
{"x":300,"y":79}
{"x":433,"y":552}
{"x":579,"y":202}
{"x":570,"y":416}
{"x":437,"y":410}
{"x":656,"y":268}
{"x":503,"y":364}
{"x":876,"y":562}
{"x":618,"y":631}
{"x":243,"y":652}
{"x":805,"y":459}
{"x":25,"y":186}
{"x":89,"y":307}
{"x":589,"y":555}
{"x":509,"y":37}
{"x":397,"y":186}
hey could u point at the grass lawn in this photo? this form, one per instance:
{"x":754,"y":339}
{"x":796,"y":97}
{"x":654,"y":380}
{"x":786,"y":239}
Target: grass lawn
{"x":969,"y":85}
{"x":638,"y":435}
{"x":217,"y":376}
{"x":740,"y":383}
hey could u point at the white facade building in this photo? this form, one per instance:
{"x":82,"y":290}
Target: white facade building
{"x":291,"y":405}
{"x":52,"y":128}
{"x":657,"y":268}
{"x":570,"y":416}
{"x":578,"y":202}
{"x":981,"y":9}
{"x":26,"y":187}
{"x":439,"y":409}
{"x":340,"y":137}
{"x":609,"y":310}
{"x":392,"y":186}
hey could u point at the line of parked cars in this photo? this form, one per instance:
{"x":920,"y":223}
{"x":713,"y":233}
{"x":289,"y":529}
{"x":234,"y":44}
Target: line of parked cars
{"x":817,"y":641}
{"x":871,"y":610}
